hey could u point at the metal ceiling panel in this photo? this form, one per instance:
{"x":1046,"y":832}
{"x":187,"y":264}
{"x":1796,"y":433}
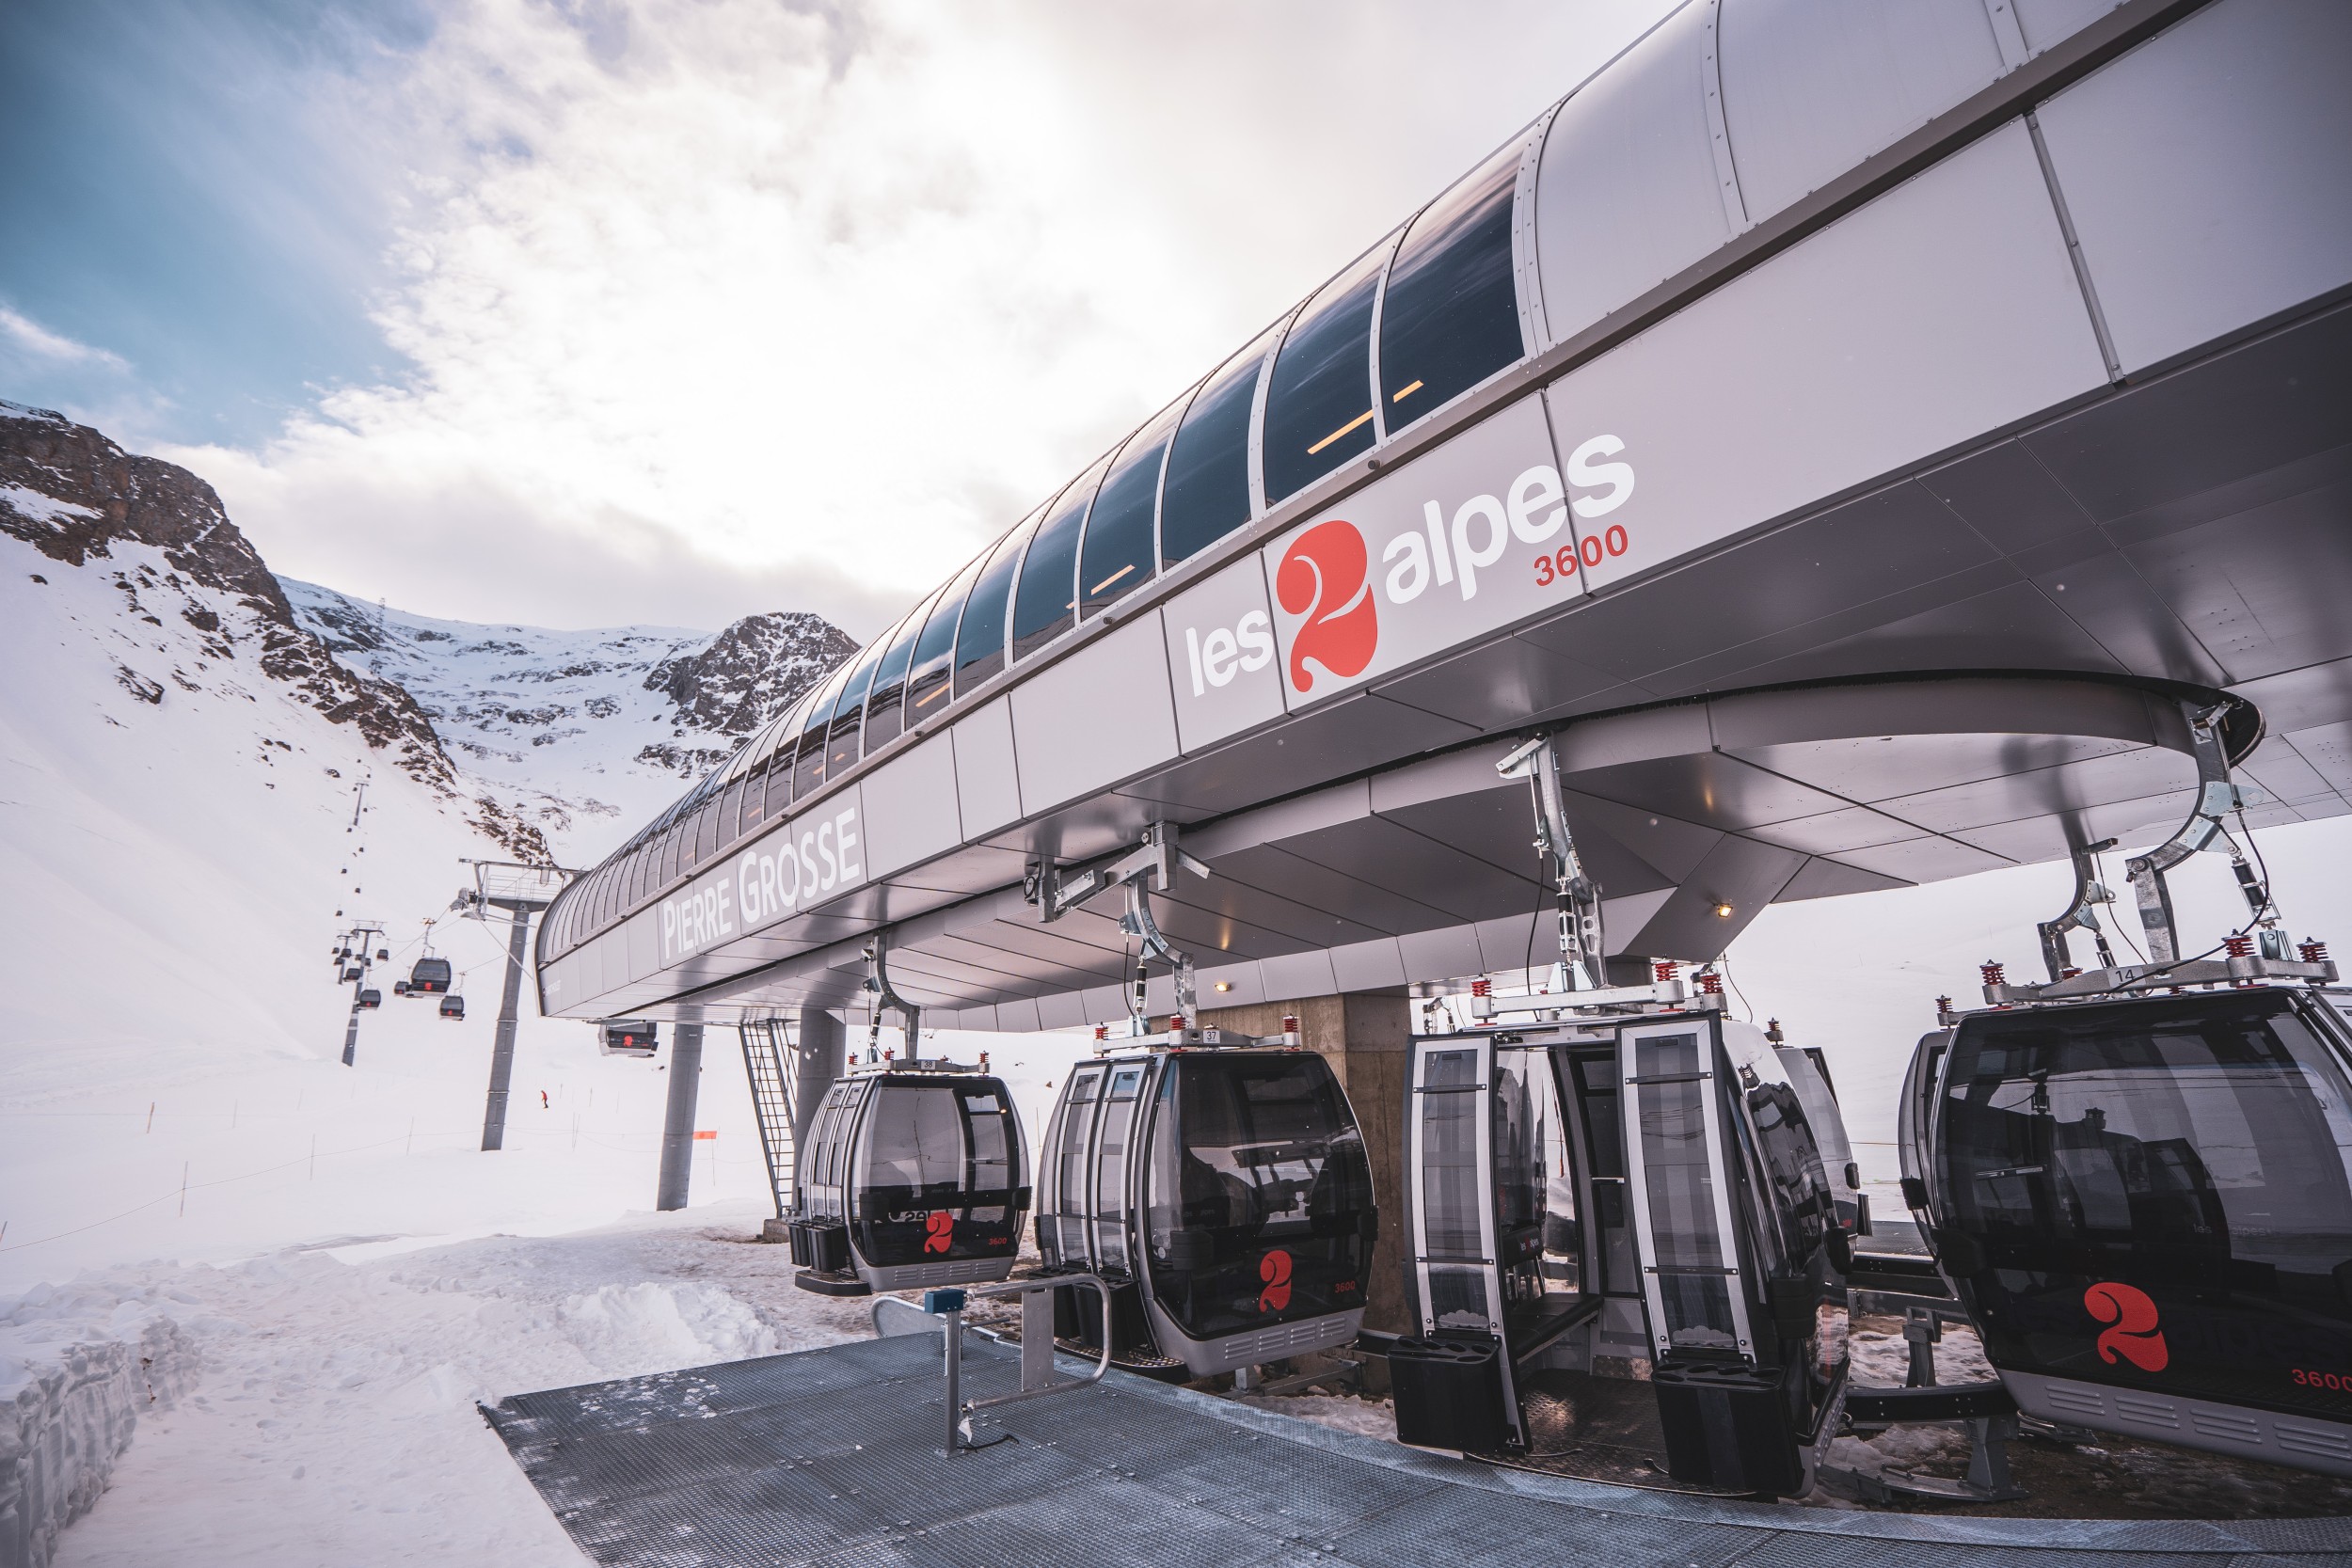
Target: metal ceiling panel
{"x":1506,"y":682}
{"x":1825,"y":878}
{"x":1708,"y":788}
{"x":2139,"y":461}
{"x":1835,"y":833}
{"x":1924,"y":859}
{"x":1271,"y":866}
{"x":1741,"y":873}
{"x":1657,"y":843}
{"x":2054,"y":792}
{"x":1855,"y":554}
{"x":1394,"y":857}
{"x":1890,"y":768}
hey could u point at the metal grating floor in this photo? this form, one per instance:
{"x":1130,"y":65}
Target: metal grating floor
{"x":832,"y":1458}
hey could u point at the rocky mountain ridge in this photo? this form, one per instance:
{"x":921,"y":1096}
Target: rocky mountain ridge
{"x":554,"y":743}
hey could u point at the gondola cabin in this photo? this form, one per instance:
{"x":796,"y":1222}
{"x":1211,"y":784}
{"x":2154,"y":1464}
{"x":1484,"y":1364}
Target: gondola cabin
{"x":1223,"y":1192}
{"x":429,"y":977}
{"x":628,"y":1037}
{"x":452,"y":1005}
{"x":368,"y":998}
{"x":911,"y":1176}
{"x":2145,"y":1205}
{"x":1620,"y":1239}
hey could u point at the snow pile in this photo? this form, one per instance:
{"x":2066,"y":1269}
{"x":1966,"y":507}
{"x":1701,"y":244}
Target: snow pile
{"x":78,"y":1368}
{"x":650,"y":1327}
{"x":336,"y":1420}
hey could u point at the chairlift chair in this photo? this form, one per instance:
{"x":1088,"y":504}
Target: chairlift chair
{"x":910,"y":1178}
{"x":429,"y":977}
{"x":1625,"y":1216}
{"x":628,"y":1036}
{"x":1223,"y":1193}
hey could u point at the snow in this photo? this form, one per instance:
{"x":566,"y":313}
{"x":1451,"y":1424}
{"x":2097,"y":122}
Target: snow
{"x":336,"y":1420}
{"x":30,"y":503}
{"x":552,"y":722}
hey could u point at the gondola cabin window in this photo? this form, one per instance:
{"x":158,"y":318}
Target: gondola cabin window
{"x":2196,"y":1155}
{"x":1254,"y":1156}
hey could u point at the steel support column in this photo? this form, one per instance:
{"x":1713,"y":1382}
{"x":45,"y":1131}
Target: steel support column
{"x":502,"y":1052}
{"x":678,"y":1127}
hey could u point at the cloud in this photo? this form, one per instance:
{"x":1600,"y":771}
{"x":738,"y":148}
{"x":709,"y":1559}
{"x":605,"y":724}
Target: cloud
{"x":33,"y":341}
{"x":735,"y":305}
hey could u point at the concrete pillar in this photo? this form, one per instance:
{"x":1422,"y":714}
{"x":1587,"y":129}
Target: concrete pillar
{"x":1365,"y":1037}
{"x":678,"y":1126}
{"x":820,"y":1055}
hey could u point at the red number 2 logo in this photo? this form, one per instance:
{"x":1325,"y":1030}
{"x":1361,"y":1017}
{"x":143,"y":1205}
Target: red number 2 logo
{"x":939,"y":1230}
{"x":1275,"y":1269}
{"x":1326,"y":576}
{"x":2134,"y":1336}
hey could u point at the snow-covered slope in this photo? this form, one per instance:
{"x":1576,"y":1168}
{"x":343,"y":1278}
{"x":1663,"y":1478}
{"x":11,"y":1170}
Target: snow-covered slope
{"x":585,"y":735}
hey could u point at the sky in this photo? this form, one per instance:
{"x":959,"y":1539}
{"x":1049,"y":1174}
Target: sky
{"x":584,"y":313}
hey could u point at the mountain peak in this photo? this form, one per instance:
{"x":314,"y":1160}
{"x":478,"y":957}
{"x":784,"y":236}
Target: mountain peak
{"x":752,"y":671}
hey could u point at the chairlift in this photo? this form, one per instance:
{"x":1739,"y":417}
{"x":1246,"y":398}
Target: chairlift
{"x":430,"y":977}
{"x":1623,"y":1219}
{"x":910,"y":1178}
{"x":628,"y":1037}
{"x":2145,"y":1207}
{"x":370,"y":998}
{"x":1222,"y":1193}
{"x":452,"y":1005}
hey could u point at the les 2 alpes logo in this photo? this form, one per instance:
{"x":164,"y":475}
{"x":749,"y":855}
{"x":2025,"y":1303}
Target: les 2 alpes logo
{"x":1329,"y":582}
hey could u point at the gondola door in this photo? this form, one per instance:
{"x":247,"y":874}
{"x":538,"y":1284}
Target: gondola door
{"x":1680,"y":1192}
{"x":1455,"y":1251}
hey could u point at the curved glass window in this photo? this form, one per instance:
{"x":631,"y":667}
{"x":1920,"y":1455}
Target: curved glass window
{"x":780,"y":761}
{"x":808,"y":772}
{"x":1207,"y":493}
{"x":1252,"y":1155}
{"x":885,"y":711}
{"x":1044,"y":604}
{"x":2173,"y":1171}
{"x":1119,"y":554}
{"x":848,"y":715}
{"x":927,"y":676}
{"x":980,"y":640}
{"x":1318,"y":405}
{"x":1451,"y":316}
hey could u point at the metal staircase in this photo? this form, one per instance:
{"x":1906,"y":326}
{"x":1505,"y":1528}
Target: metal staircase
{"x":767,"y":1045}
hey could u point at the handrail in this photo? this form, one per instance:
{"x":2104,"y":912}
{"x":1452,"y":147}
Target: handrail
{"x":1037,"y":1344}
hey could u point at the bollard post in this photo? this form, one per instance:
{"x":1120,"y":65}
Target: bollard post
{"x":949,"y":1304}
